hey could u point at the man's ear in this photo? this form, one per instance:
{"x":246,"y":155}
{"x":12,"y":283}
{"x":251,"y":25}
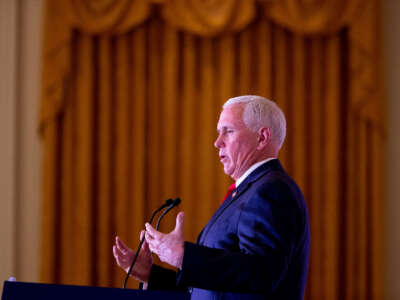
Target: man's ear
{"x":264,"y":138}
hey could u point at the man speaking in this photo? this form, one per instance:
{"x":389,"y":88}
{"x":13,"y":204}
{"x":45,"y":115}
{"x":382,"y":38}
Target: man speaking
{"x":256,"y":245}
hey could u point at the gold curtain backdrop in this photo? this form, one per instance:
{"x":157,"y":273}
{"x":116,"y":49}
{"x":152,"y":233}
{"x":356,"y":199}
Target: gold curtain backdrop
{"x":131,"y":95}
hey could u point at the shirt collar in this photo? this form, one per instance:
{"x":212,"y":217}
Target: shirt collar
{"x":251,"y":169}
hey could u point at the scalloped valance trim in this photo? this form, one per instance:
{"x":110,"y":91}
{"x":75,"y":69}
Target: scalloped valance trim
{"x":209,"y":18}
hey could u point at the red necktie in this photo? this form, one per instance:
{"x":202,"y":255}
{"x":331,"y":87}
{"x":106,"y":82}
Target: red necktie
{"x":230,"y":190}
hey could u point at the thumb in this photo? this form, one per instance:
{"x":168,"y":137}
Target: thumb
{"x":145,"y":246}
{"x":180,"y":220}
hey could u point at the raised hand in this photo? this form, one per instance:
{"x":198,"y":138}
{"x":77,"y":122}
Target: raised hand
{"x":168,"y":247}
{"x":124,"y":256}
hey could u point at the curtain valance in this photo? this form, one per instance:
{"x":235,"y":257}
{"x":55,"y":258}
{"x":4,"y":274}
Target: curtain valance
{"x":210,"y":17}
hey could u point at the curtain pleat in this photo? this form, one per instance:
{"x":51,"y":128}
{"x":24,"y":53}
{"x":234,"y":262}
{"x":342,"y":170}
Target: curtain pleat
{"x":263,"y":63}
{"x":50,"y":232}
{"x":67,"y":196}
{"x":138,"y":124}
{"x":122,"y":142}
{"x":376,"y":229}
{"x":104,"y":163}
{"x":205,"y":129}
{"x":123,"y":151}
{"x":315,"y":184}
{"x":280,"y":88}
{"x":138,"y":131}
{"x":187,"y":141}
{"x":351,"y":231}
{"x":154,"y":115}
{"x":83,"y":164}
{"x":332,"y":165}
{"x":362,"y":197}
{"x":297,"y":126}
{"x":170,"y":120}
{"x":245,"y":55}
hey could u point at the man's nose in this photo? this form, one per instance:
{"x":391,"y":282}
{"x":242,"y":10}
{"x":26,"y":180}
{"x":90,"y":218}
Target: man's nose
{"x":218,"y":142}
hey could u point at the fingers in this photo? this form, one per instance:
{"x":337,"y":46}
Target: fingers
{"x":121,"y":246}
{"x":117,"y":252}
{"x":153,"y":238}
{"x":151,"y":232}
{"x":152,"y":241}
{"x":180,"y":220}
{"x":118,"y":256}
{"x":145,"y":245}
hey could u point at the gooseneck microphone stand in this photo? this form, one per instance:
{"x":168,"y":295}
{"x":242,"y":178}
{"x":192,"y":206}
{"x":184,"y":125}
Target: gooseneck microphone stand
{"x":170,"y":204}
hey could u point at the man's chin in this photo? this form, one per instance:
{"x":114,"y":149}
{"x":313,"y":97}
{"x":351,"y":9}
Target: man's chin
{"x":227,"y":171}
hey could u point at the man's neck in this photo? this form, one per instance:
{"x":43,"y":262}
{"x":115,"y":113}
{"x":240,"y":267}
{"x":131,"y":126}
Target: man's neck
{"x":251,"y":169}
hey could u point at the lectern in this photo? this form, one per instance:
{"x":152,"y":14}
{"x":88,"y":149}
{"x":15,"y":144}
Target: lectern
{"x":40,"y":291}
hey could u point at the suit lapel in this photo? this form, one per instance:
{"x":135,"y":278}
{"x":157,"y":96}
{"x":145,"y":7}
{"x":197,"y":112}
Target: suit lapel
{"x":254,"y":176}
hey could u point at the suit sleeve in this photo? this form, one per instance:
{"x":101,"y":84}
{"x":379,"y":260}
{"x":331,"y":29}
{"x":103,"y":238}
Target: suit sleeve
{"x":163,"y":279}
{"x":266,"y":237}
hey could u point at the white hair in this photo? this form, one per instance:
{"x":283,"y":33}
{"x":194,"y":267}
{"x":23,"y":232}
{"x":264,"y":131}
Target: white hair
{"x":260,"y":112}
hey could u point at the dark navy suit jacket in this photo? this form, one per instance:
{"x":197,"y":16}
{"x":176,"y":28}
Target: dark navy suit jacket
{"x":256,"y":246}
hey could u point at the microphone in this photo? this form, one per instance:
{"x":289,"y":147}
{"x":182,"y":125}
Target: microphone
{"x":174,"y":203}
{"x":168,"y":203}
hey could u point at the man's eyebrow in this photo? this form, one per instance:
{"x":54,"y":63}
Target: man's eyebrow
{"x":225,"y":127}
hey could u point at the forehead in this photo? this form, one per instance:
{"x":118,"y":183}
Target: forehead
{"x":231,"y":116}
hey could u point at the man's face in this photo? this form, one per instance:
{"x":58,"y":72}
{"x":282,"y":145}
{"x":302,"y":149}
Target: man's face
{"x":236,"y":143}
